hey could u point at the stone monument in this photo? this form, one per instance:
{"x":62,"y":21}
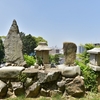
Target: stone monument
{"x":69,"y":49}
{"x":13,"y":45}
{"x":69,"y":69}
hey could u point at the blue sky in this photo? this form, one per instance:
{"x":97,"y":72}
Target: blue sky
{"x":57,"y":21}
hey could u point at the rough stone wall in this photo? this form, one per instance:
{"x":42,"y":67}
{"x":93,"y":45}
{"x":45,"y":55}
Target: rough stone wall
{"x":33,"y":83}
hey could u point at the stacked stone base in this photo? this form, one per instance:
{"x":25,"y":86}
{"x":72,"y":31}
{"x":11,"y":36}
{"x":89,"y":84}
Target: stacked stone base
{"x":33,"y":83}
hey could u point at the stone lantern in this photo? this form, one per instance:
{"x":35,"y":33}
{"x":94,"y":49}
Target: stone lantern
{"x":94,"y":59}
{"x":42,"y":50}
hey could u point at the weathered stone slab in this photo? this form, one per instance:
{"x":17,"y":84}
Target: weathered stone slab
{"x":48,"y":76}
{"x":30,"y":72}
{"x":13,"y":45}
{"x":69,"y":49}
{"x":71,"y":71}
{"x":94,"y":67}
{"x":10,"y":72}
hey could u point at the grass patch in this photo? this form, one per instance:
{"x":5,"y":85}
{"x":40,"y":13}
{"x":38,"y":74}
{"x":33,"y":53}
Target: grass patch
{"x":91,"y":96}
{"x":88,"y":96}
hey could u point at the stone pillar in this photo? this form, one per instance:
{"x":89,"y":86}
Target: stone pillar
{"x":69,"y":49}
{"x":69,"y":69}
{"x":13,"y":45}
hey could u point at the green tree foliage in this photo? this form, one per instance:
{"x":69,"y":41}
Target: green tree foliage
{"x":54,"y":58}
{"x":3,"y":37}
{"x":90,"y":76}
{"x":29,"y":44}
{"x":89,"y":46}
{"x":51,"y":58}
{"x":39,"y":39}
{"x":1,"y":50}
{"x":84,"y":57}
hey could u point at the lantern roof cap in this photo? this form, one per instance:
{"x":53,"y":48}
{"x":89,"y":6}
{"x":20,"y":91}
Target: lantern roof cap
{"x":42,"y":46}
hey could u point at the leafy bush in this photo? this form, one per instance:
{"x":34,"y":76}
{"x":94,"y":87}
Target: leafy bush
{"x":90,"y":76}
{"x":88,"y":46}
{"x":39,"y":60}
{"x":30,"y":60}
{"x":51,"y":59}
{"x":22,"y":77}
{"x":54,"y":58}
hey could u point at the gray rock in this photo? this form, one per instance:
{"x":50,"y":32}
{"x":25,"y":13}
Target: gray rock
{"x":18,"y":88}
{"x":36,"y":65}
{"x":3,"y":89}
{"x":69,"y":49}
{"x":7,"y":64}
{"x":49,"y":85}
{"x":41,"y":76}
{"x":10,"y":92}
{"x":28,"y":82}
{"x":24,"y":64}
{"x":76,"y":88}
{"x":10,"y":72}
{"x":45,"y":93}
{"x":68,"y":80}
{"x":55,"y":93}
{"x":61,"y":85}
{"x":33,"y":90}
{"x":13,"y":45}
